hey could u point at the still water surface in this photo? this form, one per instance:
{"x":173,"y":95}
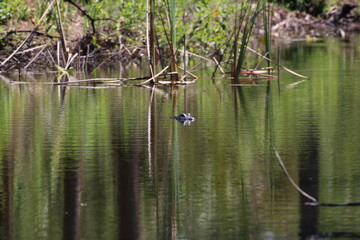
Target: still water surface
{"x":80,"y":163}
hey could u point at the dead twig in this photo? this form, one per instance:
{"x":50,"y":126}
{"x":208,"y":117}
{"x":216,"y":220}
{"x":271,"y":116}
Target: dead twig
{"x":36,"y":56}
{"x":191,"y":74}
{"x":32,"y":49}
{"x":70,"y":60}
{"x":219,"y":66}
{"x":151,"y":79}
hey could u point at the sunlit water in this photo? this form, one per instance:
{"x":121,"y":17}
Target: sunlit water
{"x":83,"y":163}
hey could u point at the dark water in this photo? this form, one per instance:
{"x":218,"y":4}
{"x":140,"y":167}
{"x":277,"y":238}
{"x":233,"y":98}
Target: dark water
{"x":82,"y":163}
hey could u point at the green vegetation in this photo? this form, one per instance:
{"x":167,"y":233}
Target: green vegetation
{"x":14,"y":10}
{"x":220,"y":29}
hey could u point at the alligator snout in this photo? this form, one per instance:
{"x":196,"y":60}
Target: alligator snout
{"x":184,"y":117}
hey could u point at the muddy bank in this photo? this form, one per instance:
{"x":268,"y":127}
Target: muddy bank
{"x":46,"y":51}
{"x":338,"y":22}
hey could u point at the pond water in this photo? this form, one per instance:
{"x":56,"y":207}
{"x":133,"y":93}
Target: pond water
{"x":85,"y":163}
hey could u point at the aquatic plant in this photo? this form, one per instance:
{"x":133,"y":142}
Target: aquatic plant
{"x":244,"y":23}
{"x":267,"y":13}
{"x":223,"y":28}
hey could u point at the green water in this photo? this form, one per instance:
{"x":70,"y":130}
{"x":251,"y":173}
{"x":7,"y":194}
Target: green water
{"x":83,"y":163}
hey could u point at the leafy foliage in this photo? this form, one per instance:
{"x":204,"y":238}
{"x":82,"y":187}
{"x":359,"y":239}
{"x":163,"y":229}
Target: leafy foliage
{"x":13,"y":10}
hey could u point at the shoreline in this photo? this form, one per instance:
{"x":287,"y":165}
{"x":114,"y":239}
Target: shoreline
{"x":285,"y":27}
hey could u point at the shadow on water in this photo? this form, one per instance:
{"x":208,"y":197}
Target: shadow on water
{"x":72,"y":198}
{"x":6,"y":206}
{"x":126,"y":177}
{"x":309,"y":181}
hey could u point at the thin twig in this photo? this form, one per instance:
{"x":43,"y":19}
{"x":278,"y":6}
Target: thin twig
{"x":150,"y":79}
{"x":291,"y":180}
{"x":262,"y":59}
{"x":58,"y":52}
{"x":36,"y":56}
{"x":71,"y":59}
{"x":32,"y":49}
{"x":191,"y":74}
{"x":218,"y":65}
{"x":285,"y":68}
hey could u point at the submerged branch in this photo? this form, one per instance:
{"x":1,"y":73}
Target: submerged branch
{"x":314,"y":203}
{"x":291,"y":180}
{"x":294,"y":84}
{"x":318,"y":204}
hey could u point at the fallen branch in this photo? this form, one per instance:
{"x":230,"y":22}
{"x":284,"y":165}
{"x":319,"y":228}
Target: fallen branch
{"x":32,"y":49}
{"x":285,"y":68}
{"x":36,"y":56}
{"x":178,"y":82}
{"x":218,"y":65}
{"x":154,"y":77}
{"x":89,"y":80}
{"x":103,"y":80}
{"x":191,"y":74}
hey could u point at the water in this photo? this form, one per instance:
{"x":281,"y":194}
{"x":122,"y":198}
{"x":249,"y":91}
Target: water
{"x":80,"y":163}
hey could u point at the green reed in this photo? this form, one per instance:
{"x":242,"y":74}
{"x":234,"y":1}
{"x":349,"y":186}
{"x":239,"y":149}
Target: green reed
{"x":244,"y":24}
{"x":267,"y":13}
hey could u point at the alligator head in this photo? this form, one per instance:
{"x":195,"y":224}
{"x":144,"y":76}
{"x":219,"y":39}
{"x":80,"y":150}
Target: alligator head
{"x":184,"y":118}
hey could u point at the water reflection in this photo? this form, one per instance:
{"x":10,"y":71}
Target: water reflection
{"x":111,"y":164}
{"x":72,"y":199}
